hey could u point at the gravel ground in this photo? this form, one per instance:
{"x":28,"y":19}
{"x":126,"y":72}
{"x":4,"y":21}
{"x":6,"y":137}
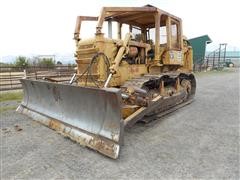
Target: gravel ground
{"x":200,"y":140}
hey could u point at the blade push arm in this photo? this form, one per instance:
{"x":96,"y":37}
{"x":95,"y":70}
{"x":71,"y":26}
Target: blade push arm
{"x":118,"y":58}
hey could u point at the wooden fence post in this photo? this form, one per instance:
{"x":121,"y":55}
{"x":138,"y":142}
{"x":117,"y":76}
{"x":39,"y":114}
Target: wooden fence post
{"x":10,"y":79}
{"x":25,"y":73}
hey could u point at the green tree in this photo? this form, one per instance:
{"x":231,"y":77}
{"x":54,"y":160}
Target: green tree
{"x":59,"y":63}
{"x":47,"y":62}
{"x":21,"y":61}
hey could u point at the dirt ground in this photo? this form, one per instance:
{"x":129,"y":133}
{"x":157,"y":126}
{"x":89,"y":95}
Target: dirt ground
{"x":200,"y":140}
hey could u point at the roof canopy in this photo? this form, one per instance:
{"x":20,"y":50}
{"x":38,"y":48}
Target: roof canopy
{"x":138,"y":16}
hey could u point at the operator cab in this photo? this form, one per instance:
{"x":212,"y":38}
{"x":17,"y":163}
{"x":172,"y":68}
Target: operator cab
{"x":154,"y":33}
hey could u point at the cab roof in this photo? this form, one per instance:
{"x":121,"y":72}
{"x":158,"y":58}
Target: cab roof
{"x":137,"y":16}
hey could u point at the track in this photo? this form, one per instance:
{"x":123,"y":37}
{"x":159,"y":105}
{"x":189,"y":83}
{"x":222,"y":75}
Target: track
{"x":163,"y":104}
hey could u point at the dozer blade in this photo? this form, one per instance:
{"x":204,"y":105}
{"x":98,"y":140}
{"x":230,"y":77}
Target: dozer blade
{"x":89,"y":116}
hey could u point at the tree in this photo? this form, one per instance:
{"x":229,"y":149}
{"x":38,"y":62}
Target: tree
{"x":33,"y":61}
{"x":59,"y":63}
{"x":47,"y":62}
{"x":21,"y":61}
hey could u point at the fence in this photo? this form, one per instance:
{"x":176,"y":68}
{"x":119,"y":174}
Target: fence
{"x":10,"y":76}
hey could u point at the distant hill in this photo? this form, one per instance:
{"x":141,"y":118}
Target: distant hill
{"x":7,"y":59}
{"x":64,"y":58}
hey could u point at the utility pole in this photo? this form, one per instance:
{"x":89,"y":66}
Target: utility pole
{"x":224,"y":53}
{"x":219,"y":54}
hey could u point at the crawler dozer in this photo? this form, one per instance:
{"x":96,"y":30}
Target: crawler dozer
{"x":121,"y":78}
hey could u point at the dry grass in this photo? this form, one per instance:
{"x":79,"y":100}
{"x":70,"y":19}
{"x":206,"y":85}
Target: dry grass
{"x":7,"y":108}
{"x":11,"y":95}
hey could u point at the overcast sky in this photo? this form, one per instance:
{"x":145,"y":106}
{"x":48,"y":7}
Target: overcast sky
{"x":47,"y":26}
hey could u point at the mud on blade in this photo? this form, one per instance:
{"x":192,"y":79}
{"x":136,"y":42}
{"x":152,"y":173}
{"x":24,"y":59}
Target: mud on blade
{"x":89,"y":116}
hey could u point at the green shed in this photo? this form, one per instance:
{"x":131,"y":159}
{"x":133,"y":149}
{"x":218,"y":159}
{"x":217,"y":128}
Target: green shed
{"x":199,"y":48}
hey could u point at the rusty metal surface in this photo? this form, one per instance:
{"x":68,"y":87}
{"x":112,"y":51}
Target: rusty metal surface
{"x":162,"y":112}
{"x":158,"y":105}
{"x":90,"y":116}
{"x":161,"y":105}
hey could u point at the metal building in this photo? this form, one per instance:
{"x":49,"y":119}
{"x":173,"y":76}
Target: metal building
{"x":199,"y":48}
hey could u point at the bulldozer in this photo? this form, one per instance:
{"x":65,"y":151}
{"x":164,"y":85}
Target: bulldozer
{"x":140,"y":73}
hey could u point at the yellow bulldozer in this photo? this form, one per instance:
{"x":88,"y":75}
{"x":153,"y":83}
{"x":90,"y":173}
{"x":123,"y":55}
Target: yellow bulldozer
{"x":141,"y":74}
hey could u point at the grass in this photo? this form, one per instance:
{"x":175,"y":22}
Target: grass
{"x":7,"y":108}
{"x":11,"y":95}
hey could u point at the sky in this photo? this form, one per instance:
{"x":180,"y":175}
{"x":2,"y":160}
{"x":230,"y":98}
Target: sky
{"x":47,"y":26}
